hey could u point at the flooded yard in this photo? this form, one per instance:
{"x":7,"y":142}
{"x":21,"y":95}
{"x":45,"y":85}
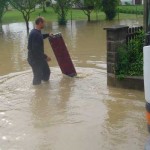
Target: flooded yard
{"x":80,"y":113}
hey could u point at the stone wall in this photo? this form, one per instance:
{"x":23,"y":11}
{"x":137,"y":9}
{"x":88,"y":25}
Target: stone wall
{"x":116,"y":36}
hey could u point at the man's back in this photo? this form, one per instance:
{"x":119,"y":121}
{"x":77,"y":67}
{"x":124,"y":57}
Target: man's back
{"x":35,"y":46}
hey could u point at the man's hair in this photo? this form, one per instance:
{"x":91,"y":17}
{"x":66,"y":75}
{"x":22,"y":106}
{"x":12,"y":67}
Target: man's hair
{"x":39,"y":20}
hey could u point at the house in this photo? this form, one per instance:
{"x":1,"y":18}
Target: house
{"x":132,"y":2}
{"x":54,"y":1}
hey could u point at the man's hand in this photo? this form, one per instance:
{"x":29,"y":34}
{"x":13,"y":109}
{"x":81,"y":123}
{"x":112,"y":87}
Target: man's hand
{"x":48,"y":59}
{"x":50,"y":34}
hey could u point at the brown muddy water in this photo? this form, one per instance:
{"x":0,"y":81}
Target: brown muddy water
{"x":80,"y":113}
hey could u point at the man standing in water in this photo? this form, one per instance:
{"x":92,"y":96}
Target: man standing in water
{"x":36,"y":57}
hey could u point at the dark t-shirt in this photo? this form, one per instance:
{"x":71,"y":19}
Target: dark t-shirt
{"x":36,"y":46}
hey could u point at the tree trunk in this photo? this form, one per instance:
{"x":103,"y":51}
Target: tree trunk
{"x":27,"y":24}
{"x":96,"y":15}
{"x":0,"y":20}
{"x":89,"y":17}
{"x":1,"y":16}
{"x":1,"y":29}
{"x":63,"y":14}
{"x":62,"y":20}
{"x":6,"y":7}
{"x":43,"y":5}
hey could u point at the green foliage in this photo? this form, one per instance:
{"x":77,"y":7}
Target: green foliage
{"x":62,"y":8}
{"x":43,"y":4}
{"x":62,"y":20}
{"x":131,"y":9}
{"x":98,"y":5}
{"x":110,"y":8}
{"x":26,"y":7}
{"x":3,"y":5}
{"x":88,"y":6}
{"x":130,"y":57}
{"x":122,"y":62}
{"x":48,"y":3}
{"x":13,"y":16}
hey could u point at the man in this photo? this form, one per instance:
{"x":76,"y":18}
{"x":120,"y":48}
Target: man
{"x":36,"y":57}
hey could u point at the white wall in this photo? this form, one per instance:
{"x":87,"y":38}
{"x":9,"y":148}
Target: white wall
{"x":129,"y":1}
{"x":53,"y":1}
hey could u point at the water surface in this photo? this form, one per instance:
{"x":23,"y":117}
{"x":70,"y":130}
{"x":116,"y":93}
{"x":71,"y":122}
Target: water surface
{"x":80,"y":113}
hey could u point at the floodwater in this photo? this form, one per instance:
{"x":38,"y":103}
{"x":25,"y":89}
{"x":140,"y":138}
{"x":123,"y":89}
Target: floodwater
{"x":80,"y":113}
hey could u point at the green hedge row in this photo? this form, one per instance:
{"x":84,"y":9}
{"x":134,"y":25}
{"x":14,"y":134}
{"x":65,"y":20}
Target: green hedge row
{"x":129,"y":11}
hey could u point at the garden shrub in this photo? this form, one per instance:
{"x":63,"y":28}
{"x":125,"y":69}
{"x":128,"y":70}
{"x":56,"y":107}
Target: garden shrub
{"x":130,"y":57}
{"x":110,"y":8}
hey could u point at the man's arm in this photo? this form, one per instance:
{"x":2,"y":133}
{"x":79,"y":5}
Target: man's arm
{"x":45,"y":36}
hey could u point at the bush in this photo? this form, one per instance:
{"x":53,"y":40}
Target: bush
{"x":62,"y":8}
{"x":62,"y":20}
{"x":130,"y":10}
{"x":130,"y":57}
{"x":110,"y":8}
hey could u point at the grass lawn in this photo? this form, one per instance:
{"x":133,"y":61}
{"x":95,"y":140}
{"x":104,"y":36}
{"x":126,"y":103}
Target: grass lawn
{"x":15,"y":16}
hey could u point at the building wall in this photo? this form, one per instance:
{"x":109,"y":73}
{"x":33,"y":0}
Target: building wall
{"x":132,"y":2}
{"x":128,"y":1}
{"x":138,"y":2}
{"x":54,"y":1}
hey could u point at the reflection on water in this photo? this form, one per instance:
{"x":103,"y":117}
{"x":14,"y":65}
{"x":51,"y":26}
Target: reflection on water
{"x":13,"y":48}
{"x":79,"y":113}
{"x":59,"y":95}
{"x":125,"y":119}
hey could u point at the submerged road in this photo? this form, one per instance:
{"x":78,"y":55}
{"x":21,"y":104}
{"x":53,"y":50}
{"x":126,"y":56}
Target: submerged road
{"x":70,"y":113}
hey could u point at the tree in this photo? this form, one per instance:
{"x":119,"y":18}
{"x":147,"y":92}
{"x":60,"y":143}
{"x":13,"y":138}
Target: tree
{"x":88,"y":6}
{"x":110,"y":8}
{"x":97,"y":7}
{"x":42,"y":2}
{"x":26,"y":7}
{"x":146,"y":15}
{"x":3,"y":5}
{"x":61,"y":8}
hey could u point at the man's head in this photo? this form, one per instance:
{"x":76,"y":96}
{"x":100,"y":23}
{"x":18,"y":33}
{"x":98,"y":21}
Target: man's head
{"x":40,"y":23}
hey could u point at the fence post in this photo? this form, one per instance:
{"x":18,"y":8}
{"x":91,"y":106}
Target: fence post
{"x":116,"y":36}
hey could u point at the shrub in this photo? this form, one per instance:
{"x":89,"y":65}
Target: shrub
{"x":62,"y":8}
{"x":110,"y":8}
{"x":130,"y":57}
